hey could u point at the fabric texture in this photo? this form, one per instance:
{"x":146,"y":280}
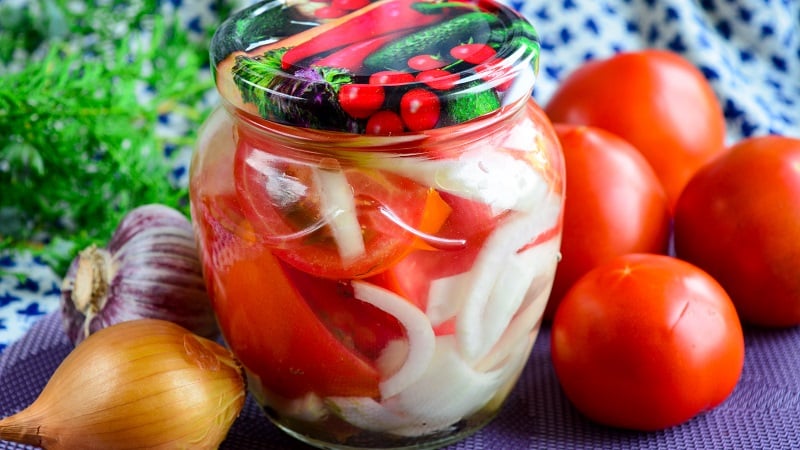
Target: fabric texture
{"x":750,"y":52}
{"x":748,"y":49}
{"x":763,"y":412}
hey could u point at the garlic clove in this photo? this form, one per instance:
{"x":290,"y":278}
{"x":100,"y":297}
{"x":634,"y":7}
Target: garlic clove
{"x":144,"y":383}
{"x":150,"y":269}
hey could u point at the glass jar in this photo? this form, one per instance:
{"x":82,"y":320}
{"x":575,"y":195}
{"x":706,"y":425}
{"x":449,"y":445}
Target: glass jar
{"x":378,"y":204}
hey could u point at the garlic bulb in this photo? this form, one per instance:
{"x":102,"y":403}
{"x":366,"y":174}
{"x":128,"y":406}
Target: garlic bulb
{"x":144,"y":383}
{"x":150,"y":269}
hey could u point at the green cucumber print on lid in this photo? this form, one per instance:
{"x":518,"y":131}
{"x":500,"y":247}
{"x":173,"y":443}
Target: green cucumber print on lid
{"x":297,"y":63}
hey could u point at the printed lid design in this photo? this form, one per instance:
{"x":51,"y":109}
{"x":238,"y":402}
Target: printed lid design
{"x":383,"y":67}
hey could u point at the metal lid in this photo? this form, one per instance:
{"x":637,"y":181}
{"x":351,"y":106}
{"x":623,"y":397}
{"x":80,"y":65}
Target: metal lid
{"x":382,"y":67}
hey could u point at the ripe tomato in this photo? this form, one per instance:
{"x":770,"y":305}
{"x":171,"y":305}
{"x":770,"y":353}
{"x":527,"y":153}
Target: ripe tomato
{"x":646,"y":342}
{"x":654,"y":99}
{"x":349,"y":5}
{"x":420,"y":109}
{"x":438,"y":79}
{"x":739,"y":219}
{"x":425,"y":62}
{"x":472,"y":53}
{"x":268,"y":322}
{"x":283,"y":201}
{"x":361,"y":100}
{"x":614,"y":205}
{"x":389,"y":77}
{"x":384,"y":123}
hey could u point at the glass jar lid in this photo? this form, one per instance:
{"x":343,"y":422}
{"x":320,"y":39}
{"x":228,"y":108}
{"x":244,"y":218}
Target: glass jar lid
{"x":380,"y":67}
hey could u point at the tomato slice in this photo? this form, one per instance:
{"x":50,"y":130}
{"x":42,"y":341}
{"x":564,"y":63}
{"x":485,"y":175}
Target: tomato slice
{"x":273,"y":329}
{"x":468,"y":222}
{"x":360,"y":326}
{"x":337,"y":223}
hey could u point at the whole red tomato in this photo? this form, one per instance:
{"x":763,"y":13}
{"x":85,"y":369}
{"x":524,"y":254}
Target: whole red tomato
{"x":646,"y":342}
{"x":389,"y":77}
{"x":420,"y":109}
{"x":384,"y":123}
{"x":361,"y":100}
{"x":438,"y":79}
{"x":614,"y":205}
{"x":426,"y":62}
{"x":739,"y":220}
{"x":654,"y":99}
{"x":474,"y":53}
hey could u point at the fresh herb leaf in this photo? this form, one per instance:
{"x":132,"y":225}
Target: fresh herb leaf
{"x":306,"y":97}
{"x":254,"y":75}
{"x":81,"y":96}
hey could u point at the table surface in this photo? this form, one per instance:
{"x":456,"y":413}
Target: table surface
{"x":763,"y":412}
{"x":750,"y":52}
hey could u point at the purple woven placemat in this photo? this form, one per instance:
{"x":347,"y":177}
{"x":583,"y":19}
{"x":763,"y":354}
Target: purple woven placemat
{"x":762,"y":413}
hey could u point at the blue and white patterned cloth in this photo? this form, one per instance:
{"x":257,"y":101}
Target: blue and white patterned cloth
{"x":748,"y":49}
{"x":28,"y":291}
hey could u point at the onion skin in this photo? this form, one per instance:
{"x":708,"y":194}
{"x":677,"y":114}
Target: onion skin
{"x":149,"y":269}
{"x":145,"y":383}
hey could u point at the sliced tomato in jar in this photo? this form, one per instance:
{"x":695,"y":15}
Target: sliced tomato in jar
{"x":331,"y":222}
{"x":276,"y":330}
{"x":360,"y":326}
{"x":460,"y":239}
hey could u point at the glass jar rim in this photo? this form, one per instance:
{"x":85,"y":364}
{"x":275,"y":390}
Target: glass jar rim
{"x":354,"y":73}
{"x":310,"y":143}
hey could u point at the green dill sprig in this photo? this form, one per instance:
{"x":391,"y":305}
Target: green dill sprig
{"x":78,"y":141}
{"x":255,"y":75}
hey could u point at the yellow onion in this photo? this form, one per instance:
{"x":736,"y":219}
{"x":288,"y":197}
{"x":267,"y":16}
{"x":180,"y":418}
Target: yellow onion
{"x":145,"y":383}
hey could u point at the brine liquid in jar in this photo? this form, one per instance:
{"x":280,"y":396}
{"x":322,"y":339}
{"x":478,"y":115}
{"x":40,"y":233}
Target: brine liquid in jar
{"x":378,"y":205}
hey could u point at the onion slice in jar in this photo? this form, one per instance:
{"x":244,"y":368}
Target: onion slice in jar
{"x":446,"y":297}
{"x":525,"y":324}
{"x":510,"y":290}
{"x":501,"y":277}
{"x":418,"y":329}
{"x":497,"y":179}
{"x":449,"y":391}
{"x":338,"y":206}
